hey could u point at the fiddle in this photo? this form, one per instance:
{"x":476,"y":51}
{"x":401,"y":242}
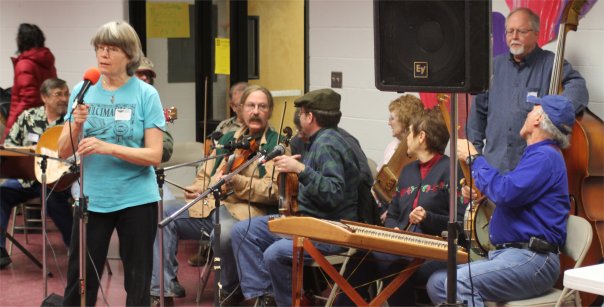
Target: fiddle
{"x":239,"y":156}
{"x":288,"y":185}
{"x":235,"y":160}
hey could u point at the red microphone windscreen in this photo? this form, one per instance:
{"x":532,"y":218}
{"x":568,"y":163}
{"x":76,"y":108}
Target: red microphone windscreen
{"x":92,"y":74}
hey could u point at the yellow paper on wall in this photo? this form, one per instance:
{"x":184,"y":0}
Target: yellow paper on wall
{"x":223,"y":56}
{"x":168,"y":20}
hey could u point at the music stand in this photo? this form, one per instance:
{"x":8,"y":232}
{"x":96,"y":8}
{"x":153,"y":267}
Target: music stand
{"x":43,"y":166}
{"x":18,"y":163}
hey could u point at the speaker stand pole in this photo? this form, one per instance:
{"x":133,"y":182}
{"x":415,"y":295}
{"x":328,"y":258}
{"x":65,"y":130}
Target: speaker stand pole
{"x":452,"y":225}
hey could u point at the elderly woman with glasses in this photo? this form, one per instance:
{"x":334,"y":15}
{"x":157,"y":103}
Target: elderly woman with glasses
{"x":120,"y":124}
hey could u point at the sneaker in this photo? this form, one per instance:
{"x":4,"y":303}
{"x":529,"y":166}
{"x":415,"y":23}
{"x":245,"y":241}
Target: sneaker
{"x":267,"y":301}
{"x":4,"y":258}
{"x":168,"y":301}
{"x":179,"y":291}
{"x":201,"y":257}
{"x":231,"y":299}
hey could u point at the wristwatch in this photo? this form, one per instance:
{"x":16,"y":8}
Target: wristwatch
{"x":470,"y":159}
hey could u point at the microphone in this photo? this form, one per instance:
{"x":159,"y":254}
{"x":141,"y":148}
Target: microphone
{"x":215,"y":135}
{"x":91,"y":76}
{"x":243,"y":144}
{"x":277,"y":151}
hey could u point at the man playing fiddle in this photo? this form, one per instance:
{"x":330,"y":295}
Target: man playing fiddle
{"x":328,"y":189}
{"x":529,"y":223}
{"x":26,"y":131}
{"x":251,"y":186}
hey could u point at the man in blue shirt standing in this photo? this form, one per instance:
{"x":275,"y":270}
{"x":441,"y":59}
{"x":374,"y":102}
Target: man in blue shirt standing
{"x":497,"y":115}
{"x":529,"y":223}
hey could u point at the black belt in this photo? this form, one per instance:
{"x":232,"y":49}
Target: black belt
{"x":538,"y":246}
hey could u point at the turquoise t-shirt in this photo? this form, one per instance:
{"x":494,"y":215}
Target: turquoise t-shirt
{"x":119,"y":117}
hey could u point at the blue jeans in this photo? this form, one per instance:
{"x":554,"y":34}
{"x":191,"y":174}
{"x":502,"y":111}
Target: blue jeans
{"x":58,"y":206}
{"x":186,"y":228}
{"x":264,"y":260}
{"x":508,"y":274}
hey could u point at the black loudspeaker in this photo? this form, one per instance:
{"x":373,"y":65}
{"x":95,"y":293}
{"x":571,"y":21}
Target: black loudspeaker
{"x":432,"y":46}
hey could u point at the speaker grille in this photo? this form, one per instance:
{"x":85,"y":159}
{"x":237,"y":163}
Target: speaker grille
{"x":432,"y":46}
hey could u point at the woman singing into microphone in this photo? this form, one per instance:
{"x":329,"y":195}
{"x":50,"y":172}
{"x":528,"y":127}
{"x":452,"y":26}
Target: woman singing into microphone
{"x":121,"y":121}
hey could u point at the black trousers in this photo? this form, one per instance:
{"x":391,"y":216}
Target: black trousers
{"x":136,"y":228}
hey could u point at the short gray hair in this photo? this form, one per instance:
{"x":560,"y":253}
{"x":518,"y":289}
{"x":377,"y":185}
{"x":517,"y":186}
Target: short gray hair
{"x":50,"y":84}
{"x":122,"y":35}
{"x":535,"y":23}
{"x":563,"y":140}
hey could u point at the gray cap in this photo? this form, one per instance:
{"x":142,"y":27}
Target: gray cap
{"x":324,"y":99}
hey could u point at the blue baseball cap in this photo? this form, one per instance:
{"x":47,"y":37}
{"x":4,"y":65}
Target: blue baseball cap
{"x":559,"y":110}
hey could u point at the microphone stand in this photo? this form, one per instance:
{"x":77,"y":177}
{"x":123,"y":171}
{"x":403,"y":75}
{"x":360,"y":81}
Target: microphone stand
{"x":81,"y":212}
{"x":161,"y":178}
{"x":43,"y":166}
{"x":215,"y":190}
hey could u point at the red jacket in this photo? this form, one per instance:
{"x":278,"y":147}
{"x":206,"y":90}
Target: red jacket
{"x":31,"y":68}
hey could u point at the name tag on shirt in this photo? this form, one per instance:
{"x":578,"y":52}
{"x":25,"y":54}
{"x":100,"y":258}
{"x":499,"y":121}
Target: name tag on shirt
{"x":123,"y":114}
{"x":33,"y":137}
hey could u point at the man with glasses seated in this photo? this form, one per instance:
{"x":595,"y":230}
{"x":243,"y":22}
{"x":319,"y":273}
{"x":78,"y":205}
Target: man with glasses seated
{"x":26,"y":131}
{"x":329,"y":179}
{"x":251,"y":186}
{"x":497,"y":115}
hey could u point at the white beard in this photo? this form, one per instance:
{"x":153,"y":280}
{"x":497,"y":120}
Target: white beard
{"x":516,"y":49}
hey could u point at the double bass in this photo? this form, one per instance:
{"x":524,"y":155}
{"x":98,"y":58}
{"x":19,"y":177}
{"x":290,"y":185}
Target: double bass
{"x":585,"y":156}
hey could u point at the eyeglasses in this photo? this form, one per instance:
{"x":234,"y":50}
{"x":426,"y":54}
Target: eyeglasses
{"x":252,"y":106}
{"x":60,"y":94}
{"x":521,"y":32}
{"x":111,"y":50}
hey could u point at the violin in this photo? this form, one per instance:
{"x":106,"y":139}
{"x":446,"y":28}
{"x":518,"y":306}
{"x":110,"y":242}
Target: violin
{"x":235,"y":160}
{"x":288,"y":185}
{"x":239,"y":156}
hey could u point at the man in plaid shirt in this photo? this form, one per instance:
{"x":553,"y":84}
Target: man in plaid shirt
{"x":329,"y":177}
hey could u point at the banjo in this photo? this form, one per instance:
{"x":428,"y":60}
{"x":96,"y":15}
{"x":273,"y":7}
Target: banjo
{"x":478,"y":213}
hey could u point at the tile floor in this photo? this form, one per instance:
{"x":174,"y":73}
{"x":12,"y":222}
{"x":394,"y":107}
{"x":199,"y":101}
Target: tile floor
{"x":22,"y":282}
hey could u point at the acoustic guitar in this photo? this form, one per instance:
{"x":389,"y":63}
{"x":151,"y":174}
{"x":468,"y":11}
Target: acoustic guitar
{"x":61,"y":175}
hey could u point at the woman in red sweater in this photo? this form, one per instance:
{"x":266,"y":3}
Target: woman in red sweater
{"x":34,"y":64}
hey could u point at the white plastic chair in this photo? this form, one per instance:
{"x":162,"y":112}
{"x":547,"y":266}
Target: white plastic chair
{"x":578,"y":239}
